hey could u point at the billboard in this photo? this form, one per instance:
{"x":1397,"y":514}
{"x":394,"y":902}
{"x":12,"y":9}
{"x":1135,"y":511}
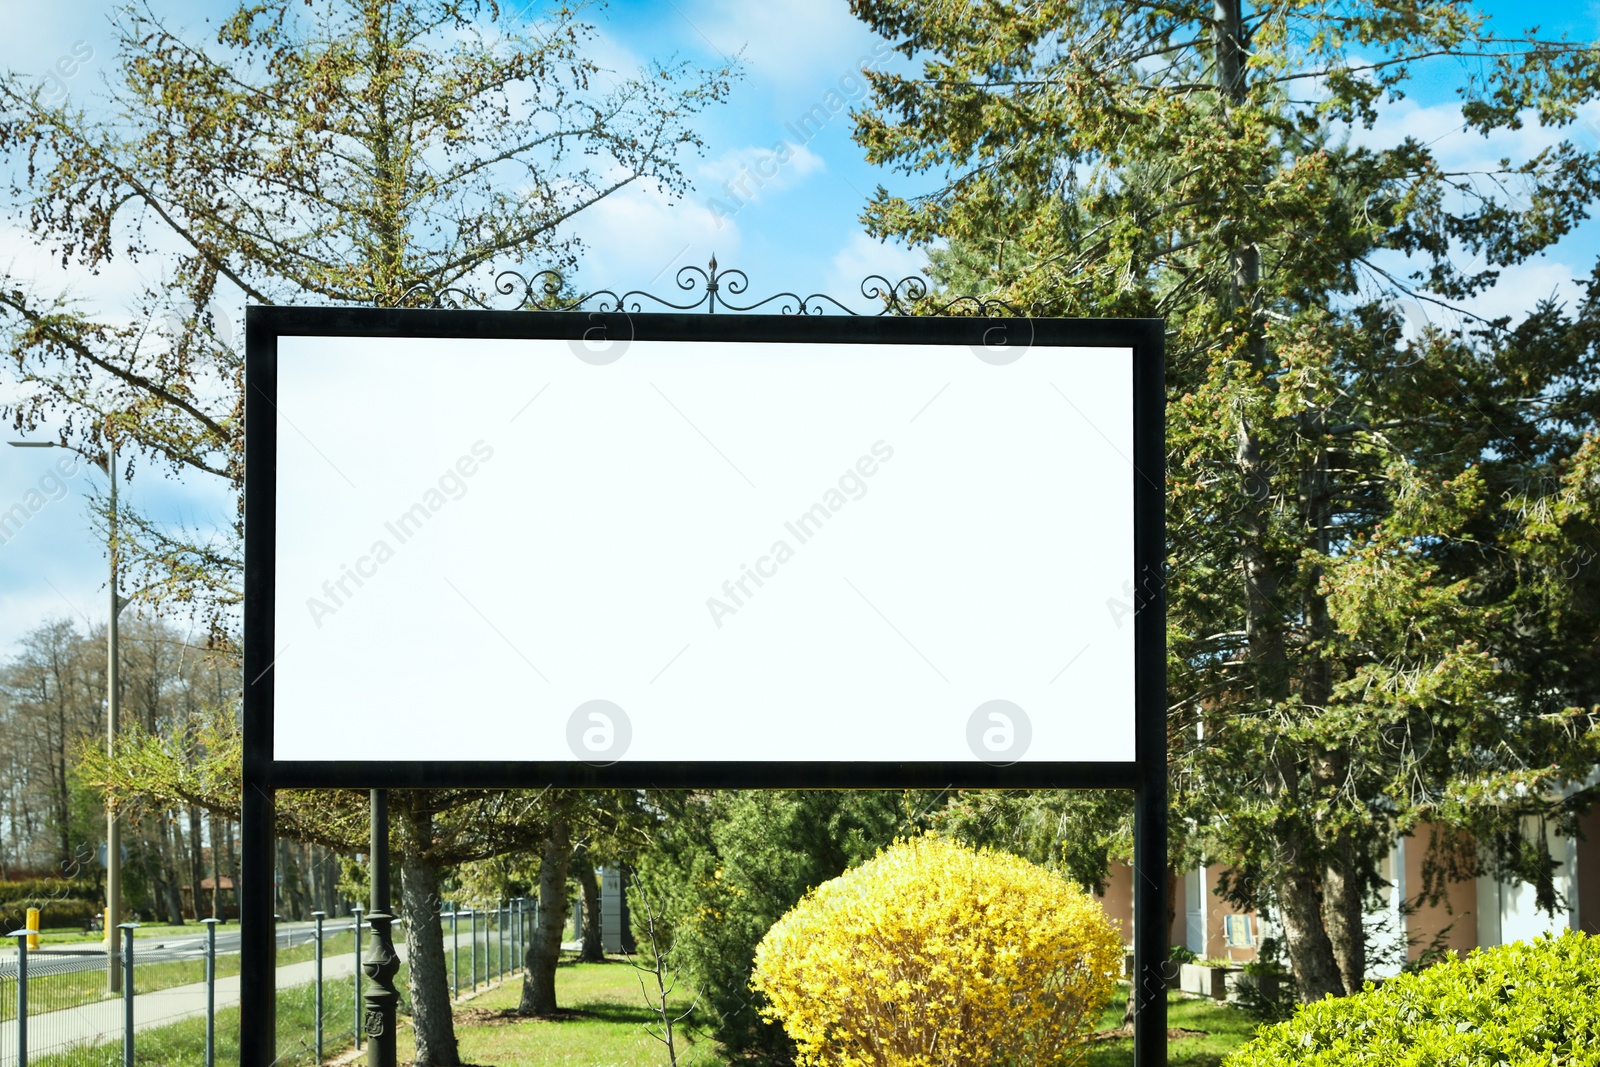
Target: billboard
{"x":667,"y":541}
{"x":520,"y":549}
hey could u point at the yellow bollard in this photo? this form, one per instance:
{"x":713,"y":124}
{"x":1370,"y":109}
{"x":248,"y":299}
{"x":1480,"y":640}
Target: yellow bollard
{"x":33,"y":924}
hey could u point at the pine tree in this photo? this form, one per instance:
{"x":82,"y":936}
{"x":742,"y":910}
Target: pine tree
{"x":1367,"y":518}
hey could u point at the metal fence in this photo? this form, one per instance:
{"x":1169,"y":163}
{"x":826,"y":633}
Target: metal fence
{"x":174,"y":1002}
{"x":483,"y":945}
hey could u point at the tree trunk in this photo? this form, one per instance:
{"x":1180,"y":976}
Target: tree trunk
{"x":330,"y":881}
{"x":63,"y":794}
{"x":429,"y":980}
{"x":217,"y":909}
{"x":294,"y":895}
{"x":539,"y":982}
{"x":308,"y":854}
{"x":155,"y":878}
{"x":172,"y":859}
{"x":197,"y":862}
{"x":1299,"y":880}
{"x":1305,"y":939}
{"x":233,"y":863}
{"x":1343,"y":908}
{"x":594,"y":950}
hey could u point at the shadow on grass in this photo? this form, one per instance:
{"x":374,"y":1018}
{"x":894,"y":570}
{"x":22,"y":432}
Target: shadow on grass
{"x":598,"y":1011}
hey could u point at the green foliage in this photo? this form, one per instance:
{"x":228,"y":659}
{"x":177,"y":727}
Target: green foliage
{"x":1266,"y":988}
{"x":933,"y":954}
{"x":1076,"y":831}
{"x":725,"y":866}
{"x":61,"y":902}
{"x":1519,"y":1005}
{"x":1383,"y":607}
{"x":32,"y":892}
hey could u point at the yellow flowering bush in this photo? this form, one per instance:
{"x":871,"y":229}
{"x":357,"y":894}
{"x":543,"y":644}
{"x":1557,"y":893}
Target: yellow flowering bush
{"x":936,"y":955}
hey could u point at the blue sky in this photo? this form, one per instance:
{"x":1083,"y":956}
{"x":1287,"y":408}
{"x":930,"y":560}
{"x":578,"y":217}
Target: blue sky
{"x":800,"y":231}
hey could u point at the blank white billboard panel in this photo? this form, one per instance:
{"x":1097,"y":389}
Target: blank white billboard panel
{"x":526,"y":550}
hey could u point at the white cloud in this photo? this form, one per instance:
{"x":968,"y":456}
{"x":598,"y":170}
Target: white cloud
{"x":742,"y":176}
{"x":862,"y":257}
{"x":1472,"y":156}
{"x":1517,"y":292}
{"x":1442,"y":129}
{"x":786,"y":43}
{"x":24,"y":610}
{"x":640,"y":237}
{"x":110,"y":290}
{"x":1522,"y":286}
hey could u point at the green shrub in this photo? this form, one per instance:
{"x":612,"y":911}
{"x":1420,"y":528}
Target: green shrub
{"x":937,"y":955}
{"x":61,"y":902}
{"x":1514,"y":1006}
{"x":726,"y":865}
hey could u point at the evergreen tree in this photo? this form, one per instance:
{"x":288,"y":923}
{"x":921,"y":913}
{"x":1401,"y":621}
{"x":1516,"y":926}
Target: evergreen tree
{"x":1380,"y":587}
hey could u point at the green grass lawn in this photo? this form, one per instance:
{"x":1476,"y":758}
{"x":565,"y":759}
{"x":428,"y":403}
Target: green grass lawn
{"x":183,"y":1043}
{"x":1225,"y":1029}
{"x":603,"y":1022}
{"x":606,"y":1025}
{"x":609,"y":1014}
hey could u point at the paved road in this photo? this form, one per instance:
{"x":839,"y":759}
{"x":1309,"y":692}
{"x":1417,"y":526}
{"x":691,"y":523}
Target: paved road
{"x":101,"y":1022}
{"x":91,"y":956}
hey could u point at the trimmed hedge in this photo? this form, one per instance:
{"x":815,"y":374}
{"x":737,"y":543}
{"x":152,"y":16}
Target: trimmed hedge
{"x":937,"y":955}
{"x":1519,"y":1005}
{"x":61,"y":902}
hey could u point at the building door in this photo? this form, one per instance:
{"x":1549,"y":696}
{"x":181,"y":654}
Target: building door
{"x":1194,"y":911}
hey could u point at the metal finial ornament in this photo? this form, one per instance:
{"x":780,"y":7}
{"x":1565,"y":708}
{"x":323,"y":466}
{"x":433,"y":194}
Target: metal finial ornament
{"x":541,"y":291}
{"x":711,"y":286}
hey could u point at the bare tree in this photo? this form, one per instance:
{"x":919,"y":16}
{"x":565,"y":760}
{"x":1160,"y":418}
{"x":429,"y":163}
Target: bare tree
{"x":655,"y":965}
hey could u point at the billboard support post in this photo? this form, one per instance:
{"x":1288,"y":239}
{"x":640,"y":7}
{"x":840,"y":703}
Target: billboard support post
{"x":1148,"y":986}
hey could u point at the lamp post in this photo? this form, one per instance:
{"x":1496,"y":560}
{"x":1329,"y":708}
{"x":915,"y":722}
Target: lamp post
{"x":108,"y":464}
{"x":381,"y":962}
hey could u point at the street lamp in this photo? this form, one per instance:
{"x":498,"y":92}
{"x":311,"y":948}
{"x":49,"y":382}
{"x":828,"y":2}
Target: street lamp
{"x":108,"y":463}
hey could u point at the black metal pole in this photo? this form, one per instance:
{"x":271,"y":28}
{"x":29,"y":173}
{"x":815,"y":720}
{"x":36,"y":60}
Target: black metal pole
{"x":211,"y":992}
{"x":258,"y":943}
{"x":382,"y":963}
{"x":360,"y":1010}
{"x":317,"y":995}
{"x":1150,"y":933}
{"x":258,"y":948}
{"x":127,"y":992}
{"x":22,"y":996}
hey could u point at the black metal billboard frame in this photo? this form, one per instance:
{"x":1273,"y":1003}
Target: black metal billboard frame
{"x":451,"y":315}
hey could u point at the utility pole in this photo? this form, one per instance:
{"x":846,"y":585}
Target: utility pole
{"x":113,"y":916}
{"x":113,"y":824}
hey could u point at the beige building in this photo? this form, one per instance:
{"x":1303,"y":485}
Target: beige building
{"x":1478,"y":912}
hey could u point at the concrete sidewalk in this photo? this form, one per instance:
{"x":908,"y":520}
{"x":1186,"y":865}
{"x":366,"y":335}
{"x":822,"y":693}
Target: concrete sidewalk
{"x":100,"y":1022}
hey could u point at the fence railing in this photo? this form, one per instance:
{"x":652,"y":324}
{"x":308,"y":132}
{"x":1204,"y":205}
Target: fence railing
{"x":59,"y":1007}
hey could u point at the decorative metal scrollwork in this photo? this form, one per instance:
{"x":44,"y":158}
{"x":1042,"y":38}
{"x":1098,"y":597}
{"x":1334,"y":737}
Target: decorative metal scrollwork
{"x":546,"y":290}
